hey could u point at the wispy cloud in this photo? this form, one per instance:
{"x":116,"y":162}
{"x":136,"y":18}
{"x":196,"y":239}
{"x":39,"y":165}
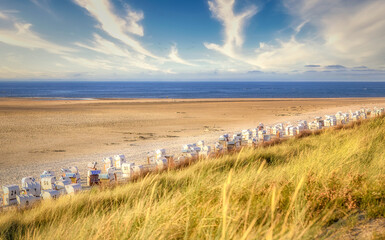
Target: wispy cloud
{"x":122,"y":30}
{"x":286,"y":55}
{"x":20,"y":34}
{"x":278,"y":57}
{"x":174,"y":56}
{"x":233,"y":24}
{"x":112,"y":64}
{"x":132,"y":21}
{"x":110,"y":49}
{"x":324,"y":36}
{"x":94,"y":63}
{"x":10,"y":72}
{"x":3,"y":16}
{"x":353,"y":31}
{"x":116,"y":26}
{"x":116,"y":57}
{"x":44,"y":4}
{"x":101,"y":45}
{"x":332,"y":41}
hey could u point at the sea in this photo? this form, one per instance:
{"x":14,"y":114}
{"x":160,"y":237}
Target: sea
{"x":181,"y":89}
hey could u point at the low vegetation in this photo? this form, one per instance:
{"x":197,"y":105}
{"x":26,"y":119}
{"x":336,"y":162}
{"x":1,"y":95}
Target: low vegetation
{"x":298,"y":189}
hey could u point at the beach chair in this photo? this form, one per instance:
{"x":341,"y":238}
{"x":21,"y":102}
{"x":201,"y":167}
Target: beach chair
{"x":30,"y":186}
{"x":10,"y":193}
{"x":26,"y":200}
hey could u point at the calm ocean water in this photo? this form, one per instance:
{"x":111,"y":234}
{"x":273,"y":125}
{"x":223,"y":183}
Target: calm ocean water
{"x":79,"y":90}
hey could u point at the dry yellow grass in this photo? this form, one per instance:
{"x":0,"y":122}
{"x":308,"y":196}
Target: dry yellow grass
{"x":293,"y":190}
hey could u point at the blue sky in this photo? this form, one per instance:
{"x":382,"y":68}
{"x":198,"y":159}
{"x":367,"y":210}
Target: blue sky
{"x":192,"y":39}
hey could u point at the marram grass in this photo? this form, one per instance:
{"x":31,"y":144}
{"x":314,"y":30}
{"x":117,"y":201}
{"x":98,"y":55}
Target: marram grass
{"x":293,"y":190}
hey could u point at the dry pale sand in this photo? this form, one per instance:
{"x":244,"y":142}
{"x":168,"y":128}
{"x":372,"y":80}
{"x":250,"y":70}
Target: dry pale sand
{"x":41,"y":134}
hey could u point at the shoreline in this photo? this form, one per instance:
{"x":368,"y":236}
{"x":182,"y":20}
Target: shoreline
{"x":186,"y":99}
{"x":50,"y":135}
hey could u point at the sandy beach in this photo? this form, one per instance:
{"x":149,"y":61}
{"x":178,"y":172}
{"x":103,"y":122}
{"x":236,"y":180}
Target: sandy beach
{"x":44,"y":134}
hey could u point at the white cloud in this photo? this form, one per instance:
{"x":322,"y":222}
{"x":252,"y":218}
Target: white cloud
{"x":20,"y":34}
{"x":357,"y":32}
{"x":115,"y":26}
{"x":93,"y":64}
{"x":111,"y":50}
{"x":352,"y":31}
{"x":114,"y":51}
{"x":346,"y":32}
{"x":25,"y":72}
{"x":44,"y":4}
{"x":278,"y":57}
{"x":285,"y":56}
{"x":104,"y":46}
{"x":3,"y":16}
{"x":132,"y":24}
{"x":233,"y":24}
{"x":121,"y":28}
{"x":174,"y":56}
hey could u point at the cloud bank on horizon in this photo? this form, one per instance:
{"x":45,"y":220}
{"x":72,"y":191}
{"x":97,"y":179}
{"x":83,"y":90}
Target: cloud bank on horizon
{"x":214,"y":39}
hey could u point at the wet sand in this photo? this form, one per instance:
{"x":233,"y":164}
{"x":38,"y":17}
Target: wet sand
{"x":41,"y":134}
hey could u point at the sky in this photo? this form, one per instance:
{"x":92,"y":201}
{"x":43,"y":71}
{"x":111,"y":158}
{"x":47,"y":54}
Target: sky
{"x":306,"y":40}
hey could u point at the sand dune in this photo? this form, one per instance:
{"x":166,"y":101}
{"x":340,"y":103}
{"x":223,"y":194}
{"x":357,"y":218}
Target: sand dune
{"x":38,"y":134}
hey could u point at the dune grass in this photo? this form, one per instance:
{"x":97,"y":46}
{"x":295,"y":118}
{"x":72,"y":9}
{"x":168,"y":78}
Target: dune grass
{"x":293,"y":190}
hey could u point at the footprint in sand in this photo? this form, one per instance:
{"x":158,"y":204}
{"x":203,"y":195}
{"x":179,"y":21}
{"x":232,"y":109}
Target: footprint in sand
{"x":172,"y":136}
{"x":60,"y":150}
{"x":47,"y":151}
